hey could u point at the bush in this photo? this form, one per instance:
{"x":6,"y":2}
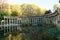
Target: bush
{"x":2,"y":14}
{"x":25,"y":24}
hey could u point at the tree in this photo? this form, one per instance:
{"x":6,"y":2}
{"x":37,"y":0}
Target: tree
{"x":56,"y":6}
{"x":30,"y":10}
{"x":47,"y":12}
{"x":4,"y":7}
{"x":16,"y":8}
{"x":2,"y":14}
{"x":14,"y":13}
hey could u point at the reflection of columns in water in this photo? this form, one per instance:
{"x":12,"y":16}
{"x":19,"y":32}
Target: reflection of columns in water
{"x":7,"y":25}
{"x":17,"y":25}
{"x":12,"y":24}
{"x":4,"y":24}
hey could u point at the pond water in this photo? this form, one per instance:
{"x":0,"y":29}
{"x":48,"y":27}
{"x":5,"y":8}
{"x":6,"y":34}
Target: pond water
{"x":33,"y":33}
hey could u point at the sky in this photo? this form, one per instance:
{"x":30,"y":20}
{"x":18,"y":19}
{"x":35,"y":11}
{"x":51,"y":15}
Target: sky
{"x":44,"y":4}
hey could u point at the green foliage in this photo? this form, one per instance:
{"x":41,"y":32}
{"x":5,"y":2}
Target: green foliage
{"x":47,"y":12}
{"x":14,"y":13}
{"x":2,"y":14}
{"x":25,"y":24}
{"x":42,"y":32}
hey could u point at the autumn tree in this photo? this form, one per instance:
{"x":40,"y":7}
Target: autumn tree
{"x":5,"y":7}
{"x":56,"y":6}
{"x":24,"y":9}
{"x":30,"y":10}
{"x":16,"y":8}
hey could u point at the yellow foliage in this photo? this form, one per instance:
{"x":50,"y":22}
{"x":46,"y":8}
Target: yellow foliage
{"x":5,"y":7}
{"x":16,"y":8}
{"x":56,"y":6}
{"x":43,"y":11}
{"x":24,"y":9}
{"x":31,"y":9}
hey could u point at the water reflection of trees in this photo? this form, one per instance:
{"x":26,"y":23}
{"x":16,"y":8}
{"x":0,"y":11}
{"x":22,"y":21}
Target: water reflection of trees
{"x":40,"y":32}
